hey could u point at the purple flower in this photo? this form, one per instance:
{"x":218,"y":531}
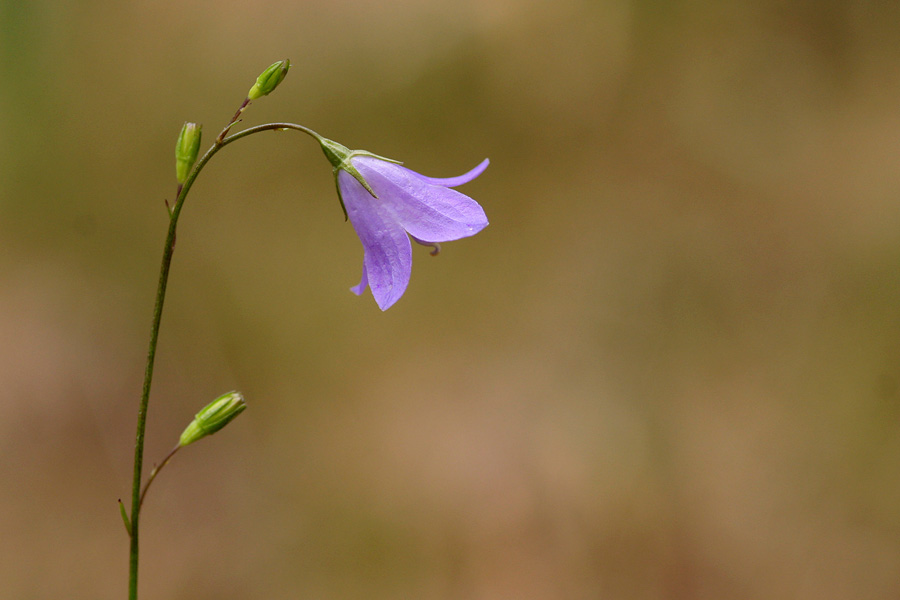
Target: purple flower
{"x":387,"y":203}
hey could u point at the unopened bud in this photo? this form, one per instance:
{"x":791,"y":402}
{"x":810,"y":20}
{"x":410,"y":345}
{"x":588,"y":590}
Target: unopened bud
{"x":216,"y":415}
{"x":269,"y":79}
{"x":186,"y":150}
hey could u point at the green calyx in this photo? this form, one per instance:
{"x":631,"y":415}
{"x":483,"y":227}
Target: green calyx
{"x":340,"y":158}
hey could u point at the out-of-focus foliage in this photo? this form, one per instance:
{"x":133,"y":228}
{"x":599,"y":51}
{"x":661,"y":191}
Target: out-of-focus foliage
{"x":668,"y":369}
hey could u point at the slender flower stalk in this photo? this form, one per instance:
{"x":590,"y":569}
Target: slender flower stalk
{"x":168,"y":251}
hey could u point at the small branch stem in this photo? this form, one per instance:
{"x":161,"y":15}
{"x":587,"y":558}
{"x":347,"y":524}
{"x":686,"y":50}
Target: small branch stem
{"x":234,"y":120}
{"x":156,"y":470}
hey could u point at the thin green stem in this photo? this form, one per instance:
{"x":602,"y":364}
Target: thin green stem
{"x":272,"y":126}
{"x":234,"y":120}
{"x":168,"y":250}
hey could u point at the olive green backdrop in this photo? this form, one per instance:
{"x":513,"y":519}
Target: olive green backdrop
{"x":668,"y":369}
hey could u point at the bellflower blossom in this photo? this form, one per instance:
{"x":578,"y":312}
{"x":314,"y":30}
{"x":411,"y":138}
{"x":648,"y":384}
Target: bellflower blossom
{"x":387,"y":204}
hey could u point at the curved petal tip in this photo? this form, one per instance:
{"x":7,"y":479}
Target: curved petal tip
{"x":460,"y":180}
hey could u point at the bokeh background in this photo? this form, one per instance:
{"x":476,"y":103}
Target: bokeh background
{"x":668,"y":369}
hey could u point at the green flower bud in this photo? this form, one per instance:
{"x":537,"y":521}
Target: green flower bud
{"x":186,"y":150}
{"x":216,"y":415}
{"x":269,"y":79}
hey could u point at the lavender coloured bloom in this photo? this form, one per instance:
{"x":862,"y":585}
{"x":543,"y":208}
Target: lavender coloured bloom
{"x":404,"y":202}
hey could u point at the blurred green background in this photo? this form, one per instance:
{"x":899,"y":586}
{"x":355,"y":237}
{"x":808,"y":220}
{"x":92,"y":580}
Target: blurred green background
{"x":668,"y":369}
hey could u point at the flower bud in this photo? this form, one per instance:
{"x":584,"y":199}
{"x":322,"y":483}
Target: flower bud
{"x":216,"y":415}
{"x":186,"y":150}
{"x":269,"y":79}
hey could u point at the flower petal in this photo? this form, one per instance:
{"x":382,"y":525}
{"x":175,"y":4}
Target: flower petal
{"x":456,"y":181}
{"x":363,"y":283}
{"x":387,"y":262}
{"x":432,"y":213}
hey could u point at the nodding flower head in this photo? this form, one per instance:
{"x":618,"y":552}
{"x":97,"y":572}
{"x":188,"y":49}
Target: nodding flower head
{"x":388,"y":203}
